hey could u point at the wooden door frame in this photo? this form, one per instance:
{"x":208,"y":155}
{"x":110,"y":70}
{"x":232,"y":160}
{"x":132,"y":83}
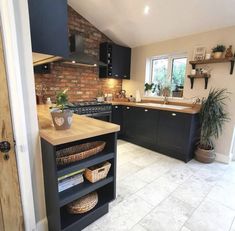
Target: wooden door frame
{"x":18,"y":59}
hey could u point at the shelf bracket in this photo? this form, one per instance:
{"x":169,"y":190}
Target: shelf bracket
{"x":192,"y":82}
{"x":206,"y":82}
{"x":232,"y":67}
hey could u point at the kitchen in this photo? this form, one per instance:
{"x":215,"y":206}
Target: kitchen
{"x":148,"y":135}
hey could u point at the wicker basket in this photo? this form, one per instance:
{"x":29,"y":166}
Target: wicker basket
{"x":98,"y":172}
{"x":83,"y":204}
{"x":79,"y":152}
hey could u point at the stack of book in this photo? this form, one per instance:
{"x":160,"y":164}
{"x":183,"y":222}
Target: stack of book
{"x":70,"y":180}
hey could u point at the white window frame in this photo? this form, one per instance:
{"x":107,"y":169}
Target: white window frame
{"x":170,"y":57}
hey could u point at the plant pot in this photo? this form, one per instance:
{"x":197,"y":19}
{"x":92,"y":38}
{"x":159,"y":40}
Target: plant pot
{"x":217,"y":55}
{"x":205,"y":156}
{"x":62,"y":119}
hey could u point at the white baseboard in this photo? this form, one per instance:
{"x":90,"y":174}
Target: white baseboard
{"x":222,"y":158}
{"x":42,"y":225}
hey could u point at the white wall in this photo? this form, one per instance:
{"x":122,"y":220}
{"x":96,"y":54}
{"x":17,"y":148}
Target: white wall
{"x":220,"y":73}
{"x":16,"y":33}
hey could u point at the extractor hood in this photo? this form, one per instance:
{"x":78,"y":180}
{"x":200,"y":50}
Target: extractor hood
{"x":77,"y":54}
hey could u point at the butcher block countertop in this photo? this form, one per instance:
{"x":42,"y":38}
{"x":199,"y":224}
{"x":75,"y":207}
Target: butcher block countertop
{"x":82,"y":128}
{"x":182,"y":107}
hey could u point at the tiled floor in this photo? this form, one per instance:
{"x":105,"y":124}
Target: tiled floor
{"x":158,"y":193}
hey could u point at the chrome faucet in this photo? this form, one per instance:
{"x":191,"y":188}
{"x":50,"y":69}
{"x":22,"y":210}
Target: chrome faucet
{"x":165,"y":100}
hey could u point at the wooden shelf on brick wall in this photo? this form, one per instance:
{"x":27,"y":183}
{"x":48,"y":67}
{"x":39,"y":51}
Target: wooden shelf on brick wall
{"x":210,"y":61}
{"x":204,"y":76}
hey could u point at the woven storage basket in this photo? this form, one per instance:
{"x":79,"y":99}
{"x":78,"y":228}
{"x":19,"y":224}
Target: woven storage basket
{"x":79,"y":152}
{"x":96,"y":173}
{"x":83,"y":204}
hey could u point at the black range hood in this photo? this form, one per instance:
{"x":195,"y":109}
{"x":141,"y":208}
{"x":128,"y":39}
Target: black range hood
{"x":77,"y":54}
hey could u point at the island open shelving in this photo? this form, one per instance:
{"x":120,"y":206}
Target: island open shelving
{"x":58,"y":216}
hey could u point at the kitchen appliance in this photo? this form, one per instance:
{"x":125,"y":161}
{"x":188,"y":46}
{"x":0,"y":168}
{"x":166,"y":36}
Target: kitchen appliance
{"x":78,"y":56}
{"x":94,"y":109}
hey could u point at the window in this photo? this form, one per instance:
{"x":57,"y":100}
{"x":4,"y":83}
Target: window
{"x":167,"y":72}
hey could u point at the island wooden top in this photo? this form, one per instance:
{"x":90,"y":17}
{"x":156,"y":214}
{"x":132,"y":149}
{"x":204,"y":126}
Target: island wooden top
{"x":192,"y":108}
{"x":82,"y":127}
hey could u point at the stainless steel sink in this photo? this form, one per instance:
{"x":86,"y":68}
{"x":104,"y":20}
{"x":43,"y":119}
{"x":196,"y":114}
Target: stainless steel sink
{"x":170,"y":106}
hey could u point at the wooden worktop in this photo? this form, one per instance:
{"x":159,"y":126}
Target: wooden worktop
{"x":82,"y":128}
{"x":193,"y":109}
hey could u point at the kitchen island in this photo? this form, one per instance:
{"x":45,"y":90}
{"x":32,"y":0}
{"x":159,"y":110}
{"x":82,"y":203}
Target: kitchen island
{"x":83,"y":130}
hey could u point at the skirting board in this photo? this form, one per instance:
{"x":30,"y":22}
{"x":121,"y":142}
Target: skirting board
{"x":222,"y":158}
{"x":42,"y":225}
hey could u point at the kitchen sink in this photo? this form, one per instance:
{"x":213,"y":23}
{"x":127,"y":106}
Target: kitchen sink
{"x":170,"y":106}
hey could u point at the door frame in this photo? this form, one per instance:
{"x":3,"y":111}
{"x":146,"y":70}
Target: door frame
{"x":18,"y":59}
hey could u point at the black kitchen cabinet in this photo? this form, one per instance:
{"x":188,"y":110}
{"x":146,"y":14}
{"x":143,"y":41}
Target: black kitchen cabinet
{"x":140,"y":126}
{"x":117,"y":117}
{"x":177,"y":134}
{"x":49,"y":27}
{"x":118,"y":60}
{"x":56,"y":202}
{"x":172,"y":133}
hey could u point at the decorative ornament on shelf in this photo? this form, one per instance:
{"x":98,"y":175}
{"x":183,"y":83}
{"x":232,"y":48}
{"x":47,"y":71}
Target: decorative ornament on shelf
{"x":229,"y":52}
{"x":61,"y":115}
{"x":218,"y":51}
{"x":199,"y":53}
{"x":100,"y":96}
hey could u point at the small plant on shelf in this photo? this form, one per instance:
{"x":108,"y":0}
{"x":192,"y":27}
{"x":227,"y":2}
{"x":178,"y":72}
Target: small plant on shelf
{"x":212,"y":118}
{"x":218,"y":51}
{"x":61,"y":115}
{"x":62,"y":100}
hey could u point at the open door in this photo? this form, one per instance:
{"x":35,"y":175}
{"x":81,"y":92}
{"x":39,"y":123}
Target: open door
{"x":11,"y":215}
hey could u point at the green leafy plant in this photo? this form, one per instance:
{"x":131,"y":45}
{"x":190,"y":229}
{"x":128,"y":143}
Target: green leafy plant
{"x":212,"y":117}
{"x":218,"y":48}
{"x":62,"y":100}
{"x":149,"y":87}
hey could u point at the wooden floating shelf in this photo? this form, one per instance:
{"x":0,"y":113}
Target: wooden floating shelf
{"x":211,"y":61}
{"x":204,"y":76}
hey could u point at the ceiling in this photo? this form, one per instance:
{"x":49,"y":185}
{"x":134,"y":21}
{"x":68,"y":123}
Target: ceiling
{"x":125,"y":23}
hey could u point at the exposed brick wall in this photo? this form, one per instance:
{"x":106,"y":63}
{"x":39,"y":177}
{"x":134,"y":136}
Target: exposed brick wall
{"x":83,"y":82}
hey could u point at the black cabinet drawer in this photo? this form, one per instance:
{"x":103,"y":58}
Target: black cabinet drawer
{"x":117,"y":117}
{"x":140,"y":125}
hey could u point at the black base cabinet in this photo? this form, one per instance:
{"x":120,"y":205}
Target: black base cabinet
{"x":177,"y":134}
{"x":172,"y":133}
{"x":117,"y":117}
{"x":58,"y":217}
{"x":140,"y":126}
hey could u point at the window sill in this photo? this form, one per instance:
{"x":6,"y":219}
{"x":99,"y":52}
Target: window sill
{"x":170,"y":99}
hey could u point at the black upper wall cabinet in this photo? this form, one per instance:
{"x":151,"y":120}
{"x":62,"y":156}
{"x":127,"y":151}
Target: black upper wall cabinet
{"x":49,"y":27}
{"x":118,"y":60}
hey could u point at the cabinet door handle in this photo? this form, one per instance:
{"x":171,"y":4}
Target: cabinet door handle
{"x":116,"y":106}
{"x":127,"y":108}
{"x":116,"y":75}
{"x":124,"y":76}
{"x":173,"y":114}
{"x":146,"y":110}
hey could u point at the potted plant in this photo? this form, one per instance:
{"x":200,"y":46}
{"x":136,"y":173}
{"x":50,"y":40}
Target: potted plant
{"x":100,"y":96}
{"x":61,"y":115}
{"x":218,"y":51}
{"x":212,"y":118}
{"x":149,"y":89}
